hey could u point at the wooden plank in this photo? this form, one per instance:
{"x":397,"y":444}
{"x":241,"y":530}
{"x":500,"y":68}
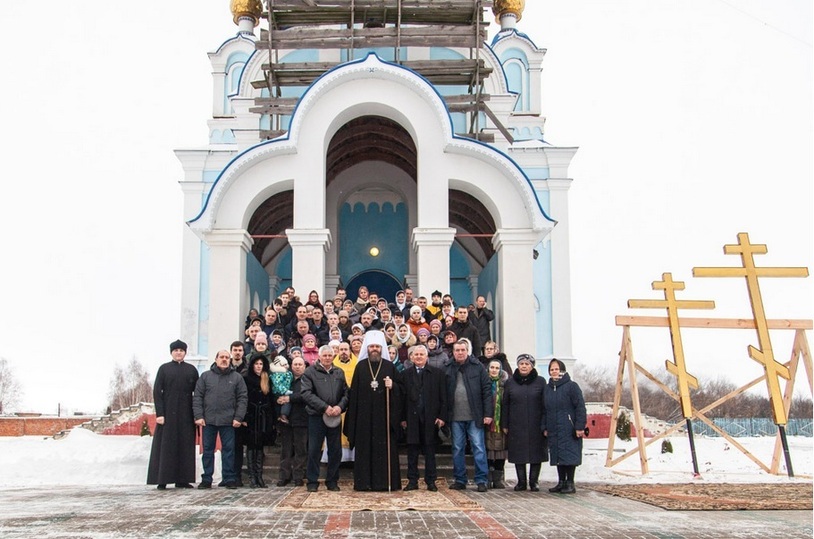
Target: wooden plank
{"x":719,"y":323}
{"x":294,"y":12}
{"x":341,"y":38}
{"x":617,"y":395}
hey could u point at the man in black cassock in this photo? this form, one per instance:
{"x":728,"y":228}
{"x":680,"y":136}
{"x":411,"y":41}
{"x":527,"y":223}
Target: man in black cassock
{"x":366,"y":419}
{"x":172,"y":459}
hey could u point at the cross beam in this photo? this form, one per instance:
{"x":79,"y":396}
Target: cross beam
{"x":763,"y":355}
{"x":677,"y":368}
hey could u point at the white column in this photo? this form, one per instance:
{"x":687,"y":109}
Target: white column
{"x":514,"y":299}
{"x":560,"y":269}
{"x":191,"y":268}
{"x":473,"y":288}
{"x":274,"y":287}
{"x":412,"y":282}
{"x":331,"y":284}
{"x":308,"y":248}
{"x":227,"y":288}
{"x":432,"y":256}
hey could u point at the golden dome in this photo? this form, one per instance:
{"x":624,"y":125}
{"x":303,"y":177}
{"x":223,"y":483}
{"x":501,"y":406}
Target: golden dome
{"x":246,"y":8}
{"x":502,"y":7}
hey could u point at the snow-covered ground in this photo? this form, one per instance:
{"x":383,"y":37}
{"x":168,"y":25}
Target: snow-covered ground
{"x":85,"y":458}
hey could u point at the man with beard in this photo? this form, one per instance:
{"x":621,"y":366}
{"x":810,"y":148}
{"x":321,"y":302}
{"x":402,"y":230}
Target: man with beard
{"x":172,"y":459}
{"x":366,"y":422}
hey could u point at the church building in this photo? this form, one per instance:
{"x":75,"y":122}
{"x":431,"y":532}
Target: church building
{"x":386,"y":143}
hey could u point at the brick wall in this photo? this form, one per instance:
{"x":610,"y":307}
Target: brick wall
{"x":37,"y":426}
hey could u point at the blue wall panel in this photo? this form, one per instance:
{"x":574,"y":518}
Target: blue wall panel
{"x":361,"y":228}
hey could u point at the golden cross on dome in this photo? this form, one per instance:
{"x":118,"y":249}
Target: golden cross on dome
{"x":764,"y":355}
{"x":678,"y":368}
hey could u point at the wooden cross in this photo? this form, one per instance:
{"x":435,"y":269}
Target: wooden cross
{"x":764,"y":355}
{"x":678,"y":368}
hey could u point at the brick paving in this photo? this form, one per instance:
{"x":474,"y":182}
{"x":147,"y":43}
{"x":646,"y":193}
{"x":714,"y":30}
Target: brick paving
{"x":140,"y":512}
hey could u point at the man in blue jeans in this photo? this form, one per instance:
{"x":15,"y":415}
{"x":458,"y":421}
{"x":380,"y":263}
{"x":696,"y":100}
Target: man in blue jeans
{"x":218,"y":405}
{"x":469,"y":396}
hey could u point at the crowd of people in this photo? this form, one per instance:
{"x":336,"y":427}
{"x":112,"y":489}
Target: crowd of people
{"x":349,"y":380}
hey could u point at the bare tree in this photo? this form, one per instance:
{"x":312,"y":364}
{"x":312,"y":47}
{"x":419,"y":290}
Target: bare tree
{"x":130,"y":385}
{"x":10,"y":391}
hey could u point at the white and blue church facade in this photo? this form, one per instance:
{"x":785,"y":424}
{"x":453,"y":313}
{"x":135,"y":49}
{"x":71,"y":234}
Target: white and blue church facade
{"x":375,"y":171}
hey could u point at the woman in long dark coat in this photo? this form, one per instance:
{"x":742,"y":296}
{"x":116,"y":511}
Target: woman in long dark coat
{"x":564,"y":424}
{"x":259,"y":418}
{"x":523,"y":411}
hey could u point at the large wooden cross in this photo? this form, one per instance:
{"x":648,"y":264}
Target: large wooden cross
{"x":678,"y":367}
{"x":764,"y":355}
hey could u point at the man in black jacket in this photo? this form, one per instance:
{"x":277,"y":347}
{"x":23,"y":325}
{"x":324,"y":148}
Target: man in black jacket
{"x":481,"y":317}
{"x":464,"y":329}
{"x":425,"y":410}
{"x":325,"y":393}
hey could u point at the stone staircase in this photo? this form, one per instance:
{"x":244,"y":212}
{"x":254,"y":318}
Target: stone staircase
{"x":125,"y":421}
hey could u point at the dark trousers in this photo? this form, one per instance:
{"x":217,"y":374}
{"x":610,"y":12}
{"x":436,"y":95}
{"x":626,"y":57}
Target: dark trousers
{"x":413,"y":450}
{"x":317,"y":432}
{"x":227,"y":452}
{"x":293,"y":452}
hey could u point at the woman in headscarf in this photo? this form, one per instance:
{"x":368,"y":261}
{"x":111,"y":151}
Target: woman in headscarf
{"x":438,"y":357}
{"x":563,"y":422}
{"x":403,"y":340}
{"x":259,"y":418}
{"x":522,"y":413}
{"x":496,"y":452}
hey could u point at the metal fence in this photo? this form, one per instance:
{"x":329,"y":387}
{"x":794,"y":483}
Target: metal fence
{"x":753,"y":426}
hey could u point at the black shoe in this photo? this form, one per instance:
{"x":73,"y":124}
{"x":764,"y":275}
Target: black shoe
{"x":557,"y":487}
{"x":482,"y":487}
{"x":457,"y":486}
{"x":222,"y":483}
{"x":231,"y":485}
{"x":282,"y":482}
{"x":411,"y":486}
{"x":183,"y":485}
{"x":431,"y":487}
{"x":161,"y":487}
{"x":519,"y":487}
{"x":333,"y":487}
{"x":312,"y":488}
{"x":205,"y":484}
{"x":533,"y":487}
{"x":568,"y":488}
{"x":239,"y":484}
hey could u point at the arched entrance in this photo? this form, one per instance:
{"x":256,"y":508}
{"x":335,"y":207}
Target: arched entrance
{"x":377,"y":281}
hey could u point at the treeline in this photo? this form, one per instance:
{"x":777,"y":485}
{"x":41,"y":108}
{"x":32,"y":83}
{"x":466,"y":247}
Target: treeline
{"x":598,"y":384}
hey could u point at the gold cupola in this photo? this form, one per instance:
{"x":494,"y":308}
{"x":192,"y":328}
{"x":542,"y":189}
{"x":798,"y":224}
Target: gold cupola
{"x":243,"y":9}
{"x":508,"y":12}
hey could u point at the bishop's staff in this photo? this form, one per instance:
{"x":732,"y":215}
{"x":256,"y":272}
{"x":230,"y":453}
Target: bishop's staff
{"x":388,"y":383}
{"x":764,"y":355}
{"x":679,"y":368}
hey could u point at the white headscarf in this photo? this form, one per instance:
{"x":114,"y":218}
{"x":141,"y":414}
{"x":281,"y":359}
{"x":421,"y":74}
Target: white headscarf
{"x":374,"y":337}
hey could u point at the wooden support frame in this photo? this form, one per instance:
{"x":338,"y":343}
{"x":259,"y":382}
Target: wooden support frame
{"x":800,"y":350}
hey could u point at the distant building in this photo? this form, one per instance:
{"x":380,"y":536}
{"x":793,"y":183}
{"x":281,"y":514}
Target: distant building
{"x":395,"y":127}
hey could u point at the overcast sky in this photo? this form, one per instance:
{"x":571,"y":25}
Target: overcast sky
{"x":694,"y":122}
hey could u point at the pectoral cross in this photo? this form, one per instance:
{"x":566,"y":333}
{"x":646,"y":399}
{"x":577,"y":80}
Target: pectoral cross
{"x":678,"y":367}
{"x":764,"y":355}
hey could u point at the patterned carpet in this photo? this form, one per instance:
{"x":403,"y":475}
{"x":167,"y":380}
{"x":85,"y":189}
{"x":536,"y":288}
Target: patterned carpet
{"x":349,"y":500}
{"x":715,"y":497}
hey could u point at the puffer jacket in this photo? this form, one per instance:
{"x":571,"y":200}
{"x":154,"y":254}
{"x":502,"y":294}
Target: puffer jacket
{"x":220,"y":397}
{"x":563,"y":414}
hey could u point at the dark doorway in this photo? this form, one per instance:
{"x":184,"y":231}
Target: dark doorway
{"x":381,"y":282}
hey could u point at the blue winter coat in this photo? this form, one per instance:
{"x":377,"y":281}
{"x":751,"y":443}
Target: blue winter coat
{"x":564,"y":414}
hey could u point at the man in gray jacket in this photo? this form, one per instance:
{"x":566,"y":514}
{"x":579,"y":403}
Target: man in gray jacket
{"x":219,"y":405}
